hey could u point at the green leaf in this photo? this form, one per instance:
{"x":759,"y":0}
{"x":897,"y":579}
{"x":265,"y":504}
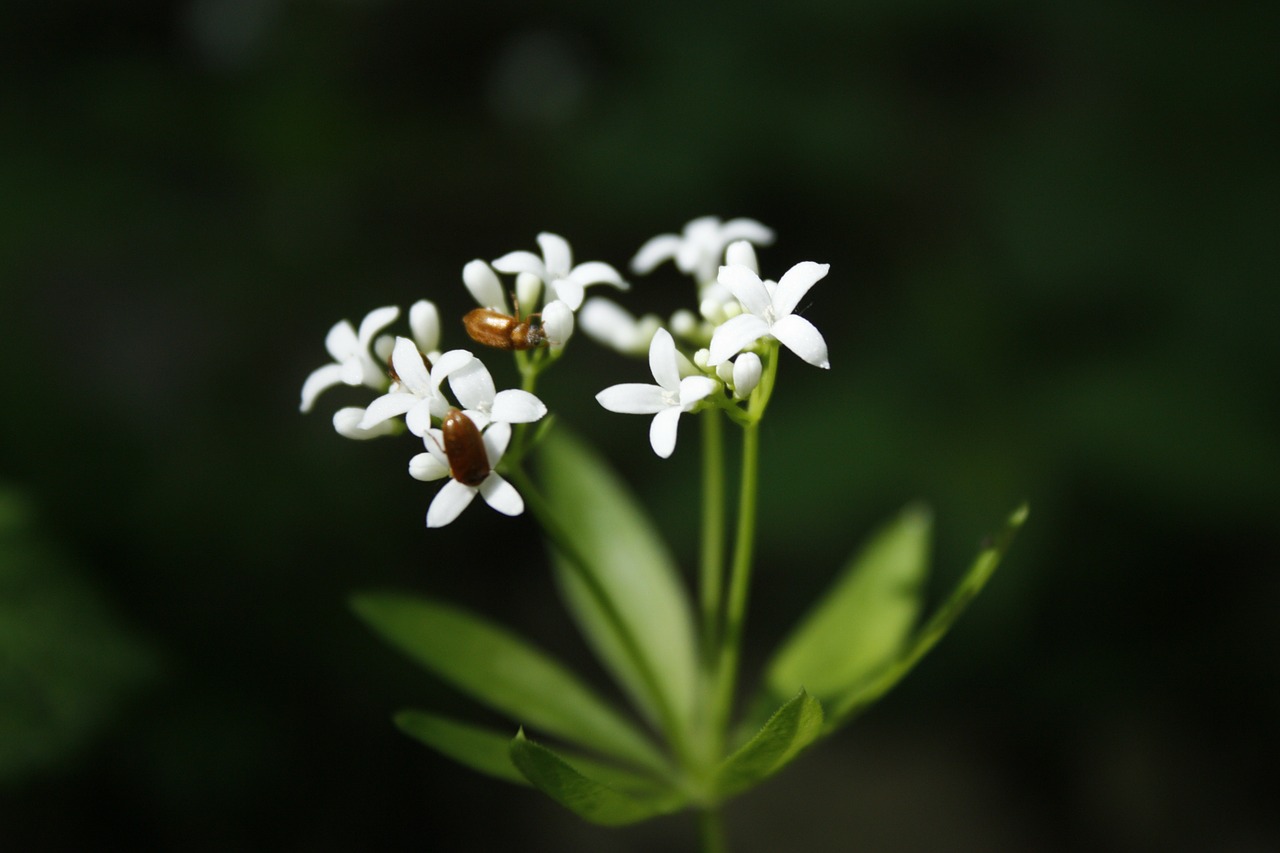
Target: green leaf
{"x":504,"y":672}
{"x":864,"y":620}
{"x":482,"y":750}
{"x":632,"y":564}
{"x":589,"y":799}
{"x":794,"y":726}
{"x":846,"y":706}
{"x":489,"y":752}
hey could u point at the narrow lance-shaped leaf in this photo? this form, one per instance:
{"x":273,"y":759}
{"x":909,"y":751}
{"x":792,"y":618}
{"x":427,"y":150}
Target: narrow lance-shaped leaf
{"x":489,"y":752}
{"x":634,"y":568}
{"x":504,"y":672}
{"x":864,"y":619}
{"x":794,"y":726}
{"x":845,"y":707}
{"x":589,"y":799}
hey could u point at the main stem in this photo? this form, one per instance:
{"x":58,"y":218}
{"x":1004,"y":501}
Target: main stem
{"x":712,"y":564}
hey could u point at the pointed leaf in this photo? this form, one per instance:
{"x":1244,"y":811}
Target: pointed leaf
{"x":634,"y":567}
{"x":589,"y":799}
{"x":504,"y":672}
{"x":489,"y":752}
{"x":864,"y":619}
{"x":793,"y":727}
{"x":939,"y":623}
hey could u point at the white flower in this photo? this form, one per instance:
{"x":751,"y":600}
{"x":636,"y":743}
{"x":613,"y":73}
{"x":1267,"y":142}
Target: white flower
{"x":455,"y":496}
{"x":556,"y":269}
{"x":353,"y":363}
{"x":347,"y":423}
{"x":610,"y":324}
{"x":667,"y":400}
{"x":473,"y":385}
{"x":769,"y":310}
{"x":417,"y":393}
{"x":699,"y":249}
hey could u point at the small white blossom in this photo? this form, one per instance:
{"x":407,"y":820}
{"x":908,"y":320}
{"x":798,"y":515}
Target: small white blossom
{"x":667,"y":400}
{"x":698,"y":251}
{"x":608,"y":323}
{"x":417,"y":393}
{"x":353,"y":362}
{"x":347,"y":423}
{"x":746,"y":374}
{"x":769,"y":308}
{"x":564,"y":280}
{"x":557,"y":322}
{"x":473,"y":385}
{"x":451,"y":500}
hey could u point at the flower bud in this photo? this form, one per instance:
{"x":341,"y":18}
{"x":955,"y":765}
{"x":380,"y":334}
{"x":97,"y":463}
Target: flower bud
{"x":746,"y":374}
{"x":528,"y":289}
{"x":557,"y":323}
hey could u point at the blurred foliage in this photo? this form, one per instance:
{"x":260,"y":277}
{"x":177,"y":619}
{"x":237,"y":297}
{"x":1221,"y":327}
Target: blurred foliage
{"x":1051,"y":233}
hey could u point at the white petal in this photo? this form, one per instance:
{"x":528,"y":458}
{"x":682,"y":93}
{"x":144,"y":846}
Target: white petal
{"x":496,"y":439}
{"x":799,"y":335}
{"x":341,"y":341}
{"x":633,"y":398}
{"x":353,"y":370}
{"x":662,"y":361}
{"x":568,"y":291}
{"x":557,"y":322}
{"x":514,"y":406}
{"x":746,"y":229}
{"x":734,"y":335}
{"x":695,"y":388}
{"x":742,"y":254}
{"x":447,"y":363}
{"x":483,"y":284}
{"x":449,"y":503}
{"x":654,"y":252}
{"x":424,"y":320}
{"x":747,"y":288}
{"x":556,"y":254}
{"x":386,"y":407}
{"x":473,"y":385}
{"x":426,"y":467}
{"x":794,"y":284}
{"x":375,"y":321}
{"x":662,"y":432}
{"x":320,"y":379}
{"x":408,"y":364}
{"x":479,"y":418}
{"x":517,"y":262}
{"x":418,"y":418}
{"x":597,"y":272}
{"x":347,"y":423}
{"x":528,"y":289}
{"x":746,"y":374}
{"x":606,"y":321}
{"x":501,"y":495}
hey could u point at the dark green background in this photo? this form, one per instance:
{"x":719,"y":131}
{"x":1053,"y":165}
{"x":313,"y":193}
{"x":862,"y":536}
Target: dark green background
{"x":1051,"y":230}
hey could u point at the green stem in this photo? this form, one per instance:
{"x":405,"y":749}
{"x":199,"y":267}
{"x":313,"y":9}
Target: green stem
{"x":575,"y":559}
{"x":711,"y":831}
{"x":712,"y":569}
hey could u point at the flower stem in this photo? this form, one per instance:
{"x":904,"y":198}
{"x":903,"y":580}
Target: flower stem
{"x":711,"y":831}
{"x":577,"y":561}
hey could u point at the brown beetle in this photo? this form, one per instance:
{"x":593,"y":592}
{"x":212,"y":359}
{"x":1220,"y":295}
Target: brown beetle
{"x":503,"y":331}
{"x":464,"y":448}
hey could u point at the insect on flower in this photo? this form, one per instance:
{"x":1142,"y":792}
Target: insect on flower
{"x":503,"y":331}
{"x":464,"y":448}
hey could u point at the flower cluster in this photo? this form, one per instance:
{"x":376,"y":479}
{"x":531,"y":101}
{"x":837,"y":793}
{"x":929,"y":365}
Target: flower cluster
{"x":733,"y":338}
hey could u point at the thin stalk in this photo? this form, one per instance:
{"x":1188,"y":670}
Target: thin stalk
{"x":711,"y":831}
{"x":559,"y":537}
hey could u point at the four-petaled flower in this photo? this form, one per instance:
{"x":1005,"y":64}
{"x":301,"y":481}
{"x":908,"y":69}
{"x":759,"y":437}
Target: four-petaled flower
{"x":416,"y":393}
{"x":666,"y":401}
{"x":699,"y":250}
{"x":557,"y":271}
{"x":769,"y":308}
{"x":451,"y":500}
{"x":353,"y":361}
